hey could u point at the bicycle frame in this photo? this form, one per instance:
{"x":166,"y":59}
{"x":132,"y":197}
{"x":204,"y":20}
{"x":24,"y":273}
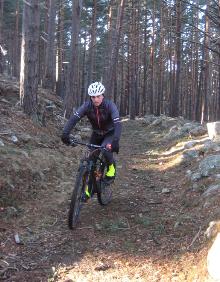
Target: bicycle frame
{"x":93,"y":162}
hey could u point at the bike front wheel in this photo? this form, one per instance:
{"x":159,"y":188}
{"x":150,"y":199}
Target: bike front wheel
{"x":77,"y":197}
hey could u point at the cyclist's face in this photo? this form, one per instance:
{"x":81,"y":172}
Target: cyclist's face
{"x":97,"y":100}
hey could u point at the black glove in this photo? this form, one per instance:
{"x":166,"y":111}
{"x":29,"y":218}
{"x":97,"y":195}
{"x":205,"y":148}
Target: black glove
{"x":65,"y":138}
{"x":115,"y":145}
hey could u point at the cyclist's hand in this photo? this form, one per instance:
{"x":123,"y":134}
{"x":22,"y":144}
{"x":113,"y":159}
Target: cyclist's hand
{"x":72,"y":141}
{"x":65,"y":138}
{"x":115,"y":145}
{"x":109,"y":146}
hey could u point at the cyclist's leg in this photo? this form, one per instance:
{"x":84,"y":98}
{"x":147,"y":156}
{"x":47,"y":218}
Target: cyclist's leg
{"x":109,"y":157}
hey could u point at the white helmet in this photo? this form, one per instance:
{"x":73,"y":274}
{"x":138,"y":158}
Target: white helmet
{"x":96,"y":89}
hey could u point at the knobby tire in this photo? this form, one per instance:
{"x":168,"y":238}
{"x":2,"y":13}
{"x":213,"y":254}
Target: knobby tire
{"x":77,"y":197}
{"x":104,"y":191}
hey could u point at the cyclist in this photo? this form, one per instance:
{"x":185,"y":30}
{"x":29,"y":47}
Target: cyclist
{"x":106,"y":126}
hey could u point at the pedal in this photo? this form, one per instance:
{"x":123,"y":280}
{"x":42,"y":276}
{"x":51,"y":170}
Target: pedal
{"x":85,"y":198}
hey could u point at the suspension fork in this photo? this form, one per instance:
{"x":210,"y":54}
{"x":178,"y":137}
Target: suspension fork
{"x":90,"y":176}
{"x":85,"y":165}
{"x":99,"y":169}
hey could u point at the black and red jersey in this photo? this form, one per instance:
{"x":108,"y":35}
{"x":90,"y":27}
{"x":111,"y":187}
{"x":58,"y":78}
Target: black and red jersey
{"x":104,"y":118}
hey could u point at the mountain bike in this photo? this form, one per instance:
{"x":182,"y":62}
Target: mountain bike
{"x":90,"y":177}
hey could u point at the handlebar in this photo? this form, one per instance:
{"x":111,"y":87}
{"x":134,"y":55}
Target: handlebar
{"x":74,"y":142}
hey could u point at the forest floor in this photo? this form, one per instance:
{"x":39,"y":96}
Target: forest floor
{"x":153,"y":230}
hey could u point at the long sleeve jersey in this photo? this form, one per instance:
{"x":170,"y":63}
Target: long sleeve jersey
{"x":104,"y":118}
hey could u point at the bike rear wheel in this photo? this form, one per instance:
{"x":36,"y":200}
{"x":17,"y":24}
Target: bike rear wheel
{"x":104,"y":193}
{"x":77,"y":197}
{"x":104,"y":190}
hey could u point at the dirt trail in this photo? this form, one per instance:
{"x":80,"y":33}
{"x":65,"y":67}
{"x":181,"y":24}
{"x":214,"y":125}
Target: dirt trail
{"x":146,"y":234}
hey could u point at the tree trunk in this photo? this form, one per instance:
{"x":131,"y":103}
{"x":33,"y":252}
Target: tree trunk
{"x":161,"y":69}
{"x":206,"y":81}
{"x":137,"y":55}
{"x":145,"y":65}
{"x":151,"y":96}
{"x":198,"y":97}
{"x":194,"y":68}
{"x":16,"y":53}
{"x":60,"y":51}
{"x":1,"y":35}
{"x":71,"y":98}
{"x":109,"y":43}
{"x":43,"y":40}
{"x":133,"y":74}
{"x":218,"y":92}
{"x":144,"y":90}
{"x":50,"y":59}
{"x":109,"y":82}
{"x":175,"y":102}
{"x":29,"y":57}
{"x":92,"y":45}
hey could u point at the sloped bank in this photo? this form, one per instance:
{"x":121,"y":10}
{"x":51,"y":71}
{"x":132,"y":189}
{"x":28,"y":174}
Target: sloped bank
{"x":201,"y":153}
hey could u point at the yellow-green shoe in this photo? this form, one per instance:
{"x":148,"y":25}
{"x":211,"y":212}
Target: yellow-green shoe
{"x":87,"y":193}
{"x":110,"y":174}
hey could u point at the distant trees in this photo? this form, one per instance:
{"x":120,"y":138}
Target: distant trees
{"x":154,"y":57}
